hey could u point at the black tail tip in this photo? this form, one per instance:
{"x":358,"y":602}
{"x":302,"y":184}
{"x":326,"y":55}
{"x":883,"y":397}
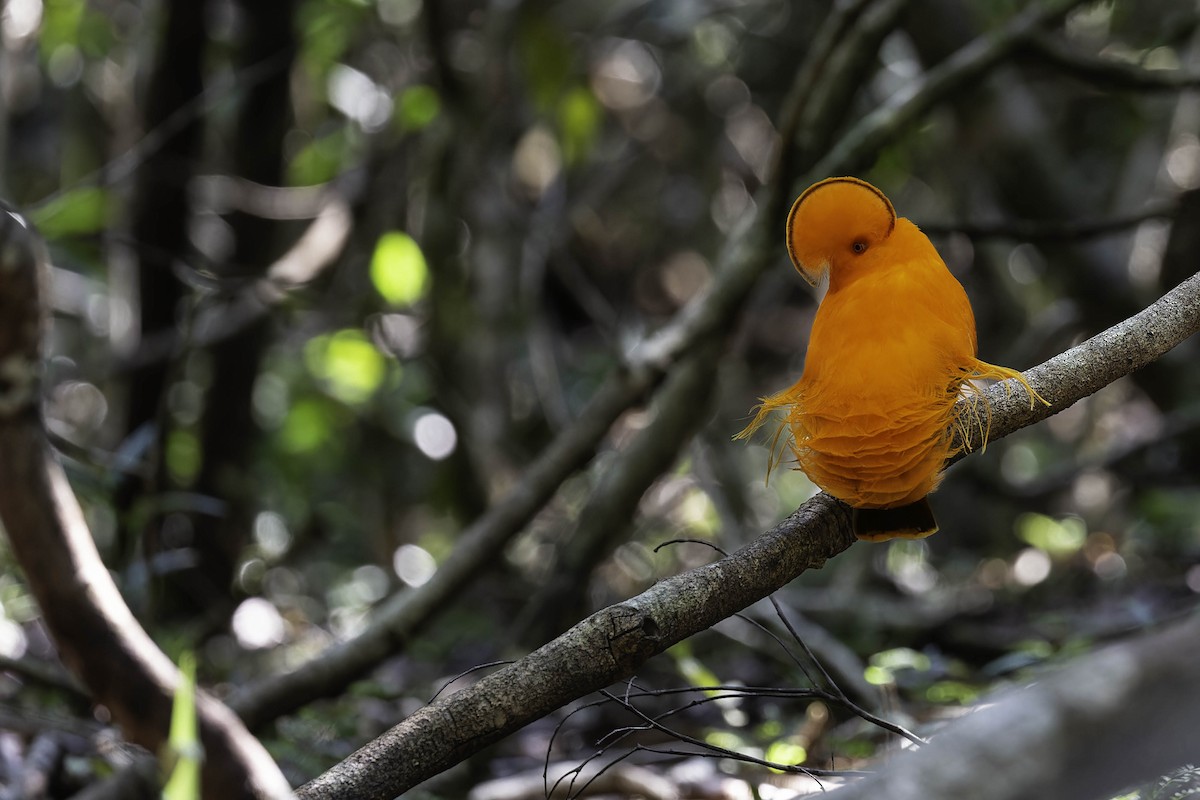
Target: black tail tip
{"x":913,"y":521}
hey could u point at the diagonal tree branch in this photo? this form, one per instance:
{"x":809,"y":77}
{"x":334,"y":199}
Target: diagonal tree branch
{"x":1086,"y":368}
{"x":612,"y":643}
{"x":676,"y":412}
{"x":1109,"y":73}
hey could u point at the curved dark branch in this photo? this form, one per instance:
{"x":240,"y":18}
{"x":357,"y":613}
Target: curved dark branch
{"x":97,"y":636}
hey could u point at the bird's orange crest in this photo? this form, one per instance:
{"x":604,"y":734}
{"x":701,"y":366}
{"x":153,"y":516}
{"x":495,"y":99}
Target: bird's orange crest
{"x":818,"y":225}
{"x":891,"y":352}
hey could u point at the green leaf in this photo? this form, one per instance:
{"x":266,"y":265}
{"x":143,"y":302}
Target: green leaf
{"x":951,"y":692}
{"x":347,"y":363}
{"x":183,"y":455}
{"x":693,"y":670}
{"x":398,"y":269}
{"x":884,"y":665}
{"x":184,"y":741}
{"x":320,"y":160}
{"x":326,"y":32}
{"x":714,"y":43}
{"x":306,"y":427}
{"x":60,"y":24}
{"x":726,"y":739}
{"x":787,"y":753}
{"x":1055,"y":537}
{"x":73,"y":212}
{"x":417,"y":107}
{"x":579,"y":117}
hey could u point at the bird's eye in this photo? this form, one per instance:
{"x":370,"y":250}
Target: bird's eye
{"x":859,"y":247}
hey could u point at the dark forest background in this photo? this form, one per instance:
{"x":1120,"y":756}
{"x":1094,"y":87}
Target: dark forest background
{"x":330,"y":276}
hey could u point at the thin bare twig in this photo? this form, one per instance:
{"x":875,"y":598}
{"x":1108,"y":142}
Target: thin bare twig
{"x":724,"y":752}
{"x":467,"y":672}
{"x":1108,"y":73}
{"x":713,"y":694}
{"x":1053,"y":231}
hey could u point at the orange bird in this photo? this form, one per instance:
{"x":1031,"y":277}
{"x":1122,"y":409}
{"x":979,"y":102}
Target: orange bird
{"x":892,"y":349}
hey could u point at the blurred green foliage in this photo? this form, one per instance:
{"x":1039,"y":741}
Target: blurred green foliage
{"x":75,"y":212}
{"x":398,"y":269}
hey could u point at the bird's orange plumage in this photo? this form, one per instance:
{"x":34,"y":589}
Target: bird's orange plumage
{"x":892,"y":349}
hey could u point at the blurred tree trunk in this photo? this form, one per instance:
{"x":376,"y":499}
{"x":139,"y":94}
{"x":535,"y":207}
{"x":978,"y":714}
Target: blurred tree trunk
{"x":229,"y":433}
{"x":159,"y":220}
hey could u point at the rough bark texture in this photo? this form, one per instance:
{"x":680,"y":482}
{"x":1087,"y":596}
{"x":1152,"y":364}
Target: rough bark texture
{"x":97,"y":636}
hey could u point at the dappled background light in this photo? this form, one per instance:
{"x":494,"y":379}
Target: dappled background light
{"x":257,"y":624}
{"x":434,"y":435}
{"x":358,"y":97}
{"x":413,"y":565}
